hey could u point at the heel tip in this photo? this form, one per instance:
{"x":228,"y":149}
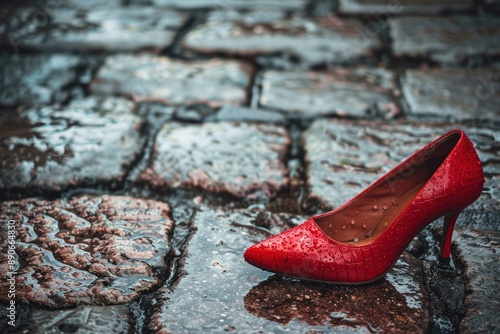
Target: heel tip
{"x":444,"y":264}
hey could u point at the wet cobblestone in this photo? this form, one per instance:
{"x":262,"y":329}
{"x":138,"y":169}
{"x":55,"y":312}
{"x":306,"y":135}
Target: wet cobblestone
{"x":343,"y":92}
{"x":83,"y":319}
{"x":314,"y":41}
{"x":238,"y":159}
{"x":446,"y":40}
{"x":172,"y":81}
{"x":53,"y":148}
{"x":109,"y":29}
{"x":87,"y":250}
{"x":455,"y":93}
{"x":41,"y":79}
{"x":478,"y":252}
{"x":402,"y":7}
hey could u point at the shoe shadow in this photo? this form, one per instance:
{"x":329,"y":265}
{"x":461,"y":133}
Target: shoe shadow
{"x":380,"y":306}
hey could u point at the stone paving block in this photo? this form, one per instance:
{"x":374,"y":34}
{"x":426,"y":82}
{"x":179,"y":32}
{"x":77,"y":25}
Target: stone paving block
{"x":447,"y":40}
{"x":344,"y":92}
{"x":243,"y":160}
{"x":40,"y":79}
{"x":172,"y":81}
{"x":86,"y":250}
{"x":52,"y":148}
{"x":314,"y":41}
{"x":220,"y":292}
{"x":244,"y":114}
{"x":457,"y":93}
{"x":112,"y":29}
{"x":378,"y":7}
{"x":228,"y":4}
{"x":344,"y":157}
{"x":479,"y":252}
{"x":80,"y":320}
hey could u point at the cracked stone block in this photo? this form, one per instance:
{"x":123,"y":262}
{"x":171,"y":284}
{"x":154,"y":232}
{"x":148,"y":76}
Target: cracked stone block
{"x":344,"y":92}
{"x":446,"y":40}
{"x":479,"y":252}
{"x":120,"y":29}
{"x":242,"y":160}
{"x":41,"y":79}
{"x":86,"y":250}
{"x":81,"y":320}
{"x":345,"y":157}
{"x":244,"y":114}
{"x":314,"y":41}
{"x":220,"y":292}
{"x":456,"y":93}
{"x":148,"y":77}
{"x":379,"y":7}
{"x":228,"y":4}
{"x":52,"y":148}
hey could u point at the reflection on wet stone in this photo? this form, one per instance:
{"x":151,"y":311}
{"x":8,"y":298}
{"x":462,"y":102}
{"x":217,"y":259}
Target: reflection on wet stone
{"x":314,"y":41}
{"x":242,"y":160}
{"x":53,"y":148}
{"x":172,"y":81}
{"x":447,"y":40}
{"x":39,"y":79}
{"x":344,"y":157}
{"x":219,"y":291}
{"x":394,"y":305}
{"x":457,"y":93}
{"x":87,"y":250}
{"x":345,"y":92}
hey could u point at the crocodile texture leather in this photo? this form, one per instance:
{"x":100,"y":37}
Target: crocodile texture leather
{"x":307,"y":251}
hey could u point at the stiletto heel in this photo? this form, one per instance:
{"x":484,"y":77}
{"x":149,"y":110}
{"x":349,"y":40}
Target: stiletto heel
{"x":449,"y":224}
{"x":360,"y":241}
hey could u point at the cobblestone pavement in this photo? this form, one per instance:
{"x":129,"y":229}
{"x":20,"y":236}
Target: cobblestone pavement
{"x":145,"y":144}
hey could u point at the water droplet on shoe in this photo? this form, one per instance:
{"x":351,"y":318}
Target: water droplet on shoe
{"x":352,"y":222}
{"x":330,"y":225}
{"x":364,"y":225}
{"x":370,"y":233}
{"x":375,"y":207}
{"x":384,"y":207}
{"x":343,"y":227}
{"x":357,"y":212}
{"x":355,"y":239}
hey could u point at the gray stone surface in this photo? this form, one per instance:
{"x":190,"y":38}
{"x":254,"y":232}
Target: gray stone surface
{"x":457,"y":93}
{"x":242,"y":160}
{"x":81,"y":320}
{"x":147,"y":77}
{"x":479,"y":252}
{"x":112,"y":29}
{"x":228,"y":4}
{"x":344,"y":92}
{"x":220,"y":292}
{"x":39,"y":79}
{"x":92,"y":141}
{"x":344,"y":157}
{"x":244,"y":114}
{"x":378,"y":7}
{"x":447,"y":40}
{"x":86,"y":250}
{"x":314,"y":41}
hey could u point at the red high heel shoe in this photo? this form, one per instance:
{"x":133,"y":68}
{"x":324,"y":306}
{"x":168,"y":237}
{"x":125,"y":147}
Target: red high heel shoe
{"x":360,"y":241}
